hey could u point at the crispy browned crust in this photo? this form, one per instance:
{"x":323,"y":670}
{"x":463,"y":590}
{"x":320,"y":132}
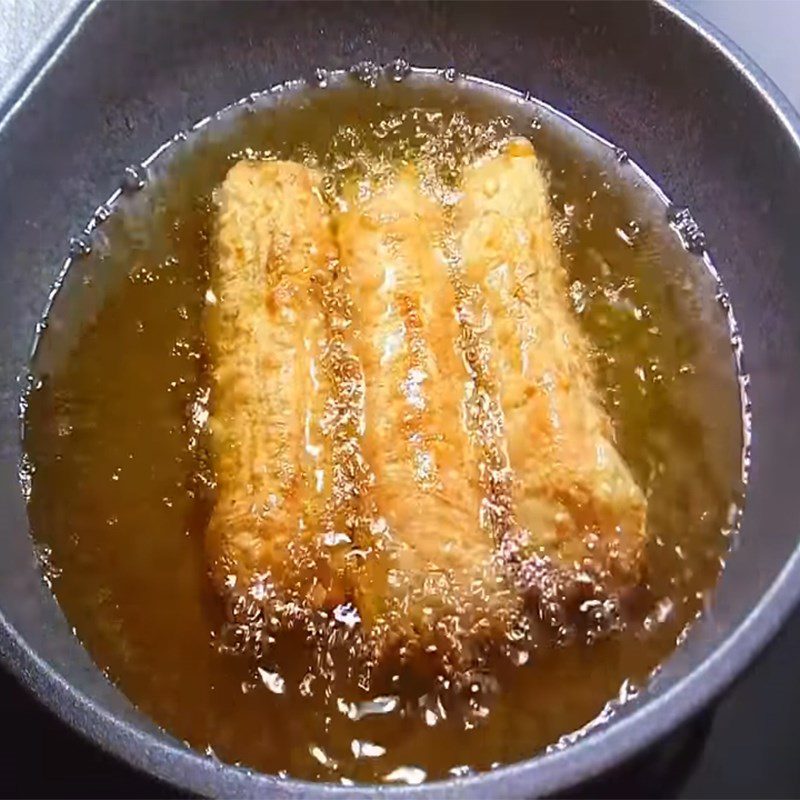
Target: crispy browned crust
{"x":572,"y":493}
{"x":377,"y":454}
{"x":435,"y":582}
{"x":266,"y":334}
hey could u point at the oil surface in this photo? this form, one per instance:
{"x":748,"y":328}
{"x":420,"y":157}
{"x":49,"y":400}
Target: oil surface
{"x":115,"y":460}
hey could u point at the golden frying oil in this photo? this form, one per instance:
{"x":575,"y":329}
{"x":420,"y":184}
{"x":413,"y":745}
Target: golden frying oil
{"x":115,"y":469}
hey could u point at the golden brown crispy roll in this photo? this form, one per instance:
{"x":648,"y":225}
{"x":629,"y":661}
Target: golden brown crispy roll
{"x":433,"y":582}
{"x":266,"y":334}
{"x":572,"y":492}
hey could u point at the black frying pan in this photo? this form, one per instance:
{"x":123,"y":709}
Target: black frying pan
{"x":708,"y":126}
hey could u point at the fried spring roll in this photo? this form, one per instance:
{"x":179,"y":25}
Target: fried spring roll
{"x":436,"y":579}
{"x":266,"y":334}
{"x":573,"y":493}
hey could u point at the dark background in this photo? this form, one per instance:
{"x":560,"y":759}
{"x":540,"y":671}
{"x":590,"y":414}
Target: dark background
{"x":746,"y":746}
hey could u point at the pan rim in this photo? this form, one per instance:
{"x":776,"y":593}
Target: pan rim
{"x":541,"y":774}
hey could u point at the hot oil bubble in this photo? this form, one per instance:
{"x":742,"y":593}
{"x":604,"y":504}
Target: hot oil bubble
{"x":80,"y":246}
{"x":249,"y":104}
{"x":450,"y":74}
{"x":364,"y":749}
{"x":43,"y":554}
{"x":398,"y":69}
{"x":367,"y":72}
{"x":134,"y":178}
{"x":320,"y":77}
{"x":629,"y":232}
{"x":683,"y":223}
{"x":412,"y":776}
{"x":25,"y":472}
{"x":102,"y":213}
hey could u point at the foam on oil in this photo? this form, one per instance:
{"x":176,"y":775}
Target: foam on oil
{"x":114,"y":466}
